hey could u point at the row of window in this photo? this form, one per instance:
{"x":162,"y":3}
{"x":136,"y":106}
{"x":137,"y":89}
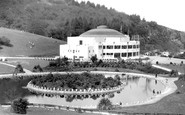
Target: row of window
{"x":73,"y":51}
{"x":117,"y":55}
{"x":119,"y":47}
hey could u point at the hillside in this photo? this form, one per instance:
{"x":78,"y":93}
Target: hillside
{"x":62,"y":18}
{"x":27,"y":44}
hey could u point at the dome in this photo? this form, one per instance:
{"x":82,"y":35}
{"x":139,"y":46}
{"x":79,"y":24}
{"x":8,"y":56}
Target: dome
{"x":102,"y":31}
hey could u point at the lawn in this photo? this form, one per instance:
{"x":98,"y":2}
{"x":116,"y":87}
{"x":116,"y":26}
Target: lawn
{"x":43,"y":111}
{"x":179,"y":68}
{"x":4,"y":69}
{"x":28,"y":63}
{"x":172,"y":104}
{"x":22,"y":44}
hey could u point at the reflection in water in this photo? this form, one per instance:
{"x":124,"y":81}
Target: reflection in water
{"x":155,"y":81}
{"x":147,"y":87}
{"x":136,"y":89}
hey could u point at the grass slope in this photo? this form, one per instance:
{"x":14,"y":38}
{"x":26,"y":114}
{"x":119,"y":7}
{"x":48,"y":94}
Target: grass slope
{"x":22,"y":44}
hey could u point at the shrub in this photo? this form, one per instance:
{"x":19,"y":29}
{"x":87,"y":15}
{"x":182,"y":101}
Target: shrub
{"x":105,"y":104}
{"x":79,"y":110}
{"x":37,"y":69}
{"x":116,"y":70}
{"x":173,"y":73}
{"x":5,"y":41}
{"x":20,"y":106}
{"x":19,"y":69}
{"x":178,"y":92}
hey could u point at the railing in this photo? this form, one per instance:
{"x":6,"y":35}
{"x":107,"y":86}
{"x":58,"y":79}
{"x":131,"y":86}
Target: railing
{"x":36,"y":88}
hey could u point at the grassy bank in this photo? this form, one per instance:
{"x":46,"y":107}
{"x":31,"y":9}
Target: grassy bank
{"x":172,"y":104}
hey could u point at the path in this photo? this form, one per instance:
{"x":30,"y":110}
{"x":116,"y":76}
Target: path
{"x":165,"y":60}
{"x":26,"y":70}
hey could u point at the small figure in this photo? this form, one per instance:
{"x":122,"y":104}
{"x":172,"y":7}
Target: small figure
{"x":154,"y":91}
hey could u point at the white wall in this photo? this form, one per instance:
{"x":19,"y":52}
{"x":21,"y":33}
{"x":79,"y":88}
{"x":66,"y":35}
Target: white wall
{"x":90,"y":47}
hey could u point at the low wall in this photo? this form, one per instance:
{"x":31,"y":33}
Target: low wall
{"x":61,"y":91}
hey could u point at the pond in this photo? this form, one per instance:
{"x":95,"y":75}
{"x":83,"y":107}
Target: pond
{"x":137,"y":89}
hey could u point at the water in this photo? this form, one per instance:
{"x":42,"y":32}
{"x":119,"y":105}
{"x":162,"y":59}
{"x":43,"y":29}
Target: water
{"x":137,"y":89}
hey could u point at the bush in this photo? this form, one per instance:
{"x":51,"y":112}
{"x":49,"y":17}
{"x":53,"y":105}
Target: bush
{"x":37,"y":69}
{"x":20,"y":106}
{"x":173,"y":73}
{"x":105,"y":104}
{"x":5,"y":41}
{"x":178,"y":92}
{"x":116,"y":70}
{"x":18,"y":69}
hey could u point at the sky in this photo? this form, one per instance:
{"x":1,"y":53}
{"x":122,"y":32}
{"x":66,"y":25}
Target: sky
{"x":169,"y":13}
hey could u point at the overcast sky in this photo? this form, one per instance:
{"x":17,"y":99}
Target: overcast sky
{"x":170,"y":13}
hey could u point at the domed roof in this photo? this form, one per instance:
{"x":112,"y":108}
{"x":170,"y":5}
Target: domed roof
{"x":102,"y":31}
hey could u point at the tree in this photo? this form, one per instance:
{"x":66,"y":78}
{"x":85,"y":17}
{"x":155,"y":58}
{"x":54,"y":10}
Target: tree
{"x":18,"y":69}
{"x":20,"y":106}
{"x":94,"y":58}
{"x":105,"y":104}
{"x":37,"y":69}
{"x":5,"y":41}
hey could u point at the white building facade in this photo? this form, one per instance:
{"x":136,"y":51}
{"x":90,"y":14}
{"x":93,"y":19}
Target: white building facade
{"x":107,"y":44}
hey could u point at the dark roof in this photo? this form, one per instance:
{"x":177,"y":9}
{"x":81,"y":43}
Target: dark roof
{"x":102,"y":31}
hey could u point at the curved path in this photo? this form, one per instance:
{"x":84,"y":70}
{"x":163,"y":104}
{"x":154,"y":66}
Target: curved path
{"x":169,"y":83}
{"x":26,"y":70}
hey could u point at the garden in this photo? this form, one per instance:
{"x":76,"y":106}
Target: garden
{"x":76,"y":81}
{"x":136,"y":65}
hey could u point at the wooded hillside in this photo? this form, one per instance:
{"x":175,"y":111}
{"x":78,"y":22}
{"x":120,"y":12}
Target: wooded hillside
{"x":62,"y":18}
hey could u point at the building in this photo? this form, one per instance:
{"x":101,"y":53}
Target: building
{"x":107,"y":44}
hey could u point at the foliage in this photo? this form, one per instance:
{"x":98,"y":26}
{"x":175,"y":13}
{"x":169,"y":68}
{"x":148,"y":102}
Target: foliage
{"x":18,"y":69}
{"x":105,"y":104}
{"x":37,"y":68}
{"x":59,"y":19}
{"x":94,"y":59}
{"x":137,"y":65}
{"x":5,"y":41}
{"x":19,"y":106}
{"x":180,"y":56}
{"x":60,"y":62}
{"x":174,"y":73}
{"x":76,"y":81}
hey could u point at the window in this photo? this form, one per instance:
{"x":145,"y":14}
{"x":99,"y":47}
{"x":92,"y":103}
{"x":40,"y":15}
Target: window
{"x":103,"y":53}
{"x":117,"y":47}
{"x":130,"y":54}
{"x":129,"y":46}
{"x":124,"y":47}
{"x":134,"y":54}
{"x":137,"y":53}
{"x":103,"y":47}
{"x":100,"y":47}
{"x":109,"y":47}
{"x":124,"y":54}
{"x":134,"y":46}
{"x":116,"y":55}
{"x":109,"y":54}
{"x":81,"y":42}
